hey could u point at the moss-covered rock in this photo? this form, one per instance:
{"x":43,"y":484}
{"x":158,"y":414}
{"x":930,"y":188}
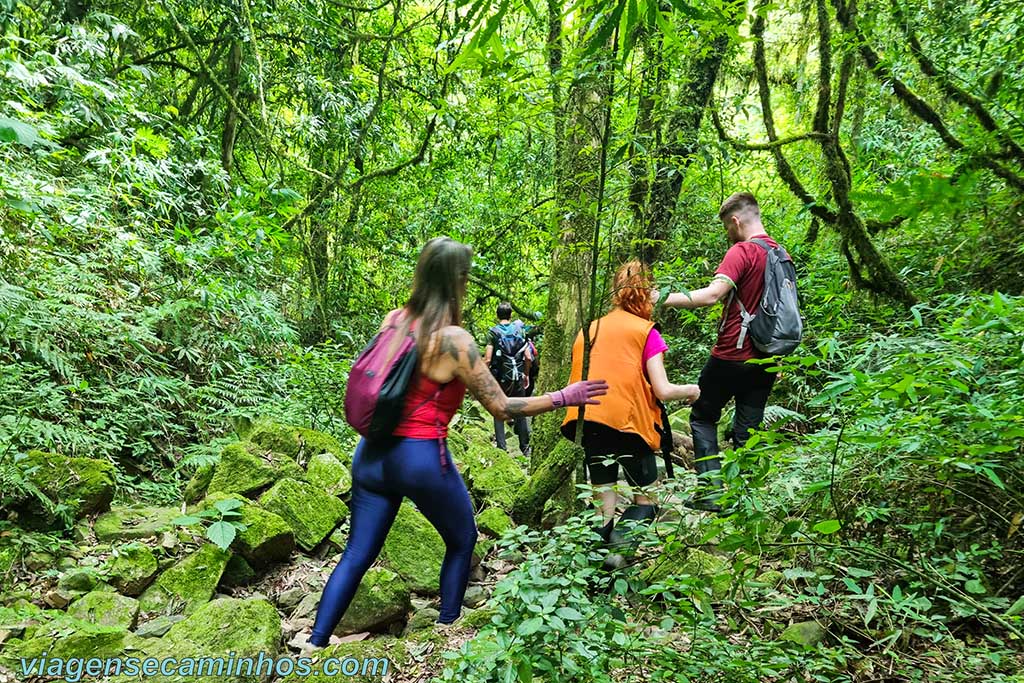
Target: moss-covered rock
{"x":480,"y":550}
{"x":189,"y":584}
{"x":329,"y":474}
{"x":381,"y":599}
{"x":84,"y":485}
{"x":246,"y":627}
{"x":297,"y":442}
{"x":136,"y":522}
{"x":91,"y":642}
{"x":158,"y":628}
{"x":805,"y":633}
{"x":130,"y":568}
{"x":57,"y":634}
{"x":246,"y":469}
{"x":492,"y":475}
{"x":339,"y":537}
{"x":772,"y":578}
{"x":697,"y":563}
{"x":106,"y":608}
{"x":198,"y":484}
{"x":83,"y":579}
{"x":477,"y":618}
{"x":8,"y":556}
{"x":475,"y":596}
{"x":414,"y":550}
{"x":421,"y":619}
{"x":368,"y":661}
{"x":494,"y":522}
{"x":310,"y":513}
{"x":238,"y":572}
{"x":267,"y":537}
{"x":235,"y":631}
{"x":14,"y":620}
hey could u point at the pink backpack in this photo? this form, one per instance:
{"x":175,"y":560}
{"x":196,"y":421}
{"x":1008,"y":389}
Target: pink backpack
{"x":379,"y":380}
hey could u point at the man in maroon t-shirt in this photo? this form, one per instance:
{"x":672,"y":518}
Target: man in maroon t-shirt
{"x":726,"y":374}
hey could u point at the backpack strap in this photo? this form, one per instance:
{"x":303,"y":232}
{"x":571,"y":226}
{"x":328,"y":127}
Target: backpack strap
{"x":666,"y":439}
{"x":745,"y":316}
{"x":437,"y":423}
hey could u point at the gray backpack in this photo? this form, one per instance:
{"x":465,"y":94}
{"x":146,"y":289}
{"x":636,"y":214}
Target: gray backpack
{"x":776,"y":327}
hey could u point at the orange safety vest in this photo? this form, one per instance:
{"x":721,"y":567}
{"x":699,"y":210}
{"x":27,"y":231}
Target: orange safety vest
{"x":616,"y":355}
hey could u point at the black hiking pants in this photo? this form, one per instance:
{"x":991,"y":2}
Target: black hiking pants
{"x":521,"y":425}
{"x":721,"y":380}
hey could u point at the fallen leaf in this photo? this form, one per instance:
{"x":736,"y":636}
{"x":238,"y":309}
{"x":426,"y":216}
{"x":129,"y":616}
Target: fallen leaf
{"x":355,"y":637}
{"x":1015,"y":524}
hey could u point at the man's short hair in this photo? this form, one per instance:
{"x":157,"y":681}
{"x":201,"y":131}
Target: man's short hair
{"x":504,"y":310}
{"x":738,"y":203}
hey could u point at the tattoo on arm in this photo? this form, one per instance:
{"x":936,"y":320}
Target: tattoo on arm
{"x":516,"y":407}
{"x":473,"y":354}
{"x":450,"y":346}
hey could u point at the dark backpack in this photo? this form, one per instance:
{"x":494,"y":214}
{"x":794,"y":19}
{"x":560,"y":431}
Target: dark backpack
{"x":776,"y":327}
{"x":378,"y":382}
{"x":508,"y":359}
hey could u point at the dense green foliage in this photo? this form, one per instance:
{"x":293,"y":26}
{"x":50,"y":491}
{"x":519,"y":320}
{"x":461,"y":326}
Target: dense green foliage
{"x":206,"y":207}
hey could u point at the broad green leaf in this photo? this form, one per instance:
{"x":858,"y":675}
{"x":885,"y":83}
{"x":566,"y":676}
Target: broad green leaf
{"x":186,"y":520}
{"x":569,"y":614}
{"x":221,"y":534}
{"x":974,"y":586}
{"x":12,"y":130}
{"x":525,"y":671}
{"x":530,"y":626}
{"x":228,"y":505}
{"x":604,"y":32}
{"x":828,"y":527}
{"x":870,"y":613}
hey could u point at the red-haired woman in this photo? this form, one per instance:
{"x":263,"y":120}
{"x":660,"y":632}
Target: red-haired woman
{"x":628,"y":352}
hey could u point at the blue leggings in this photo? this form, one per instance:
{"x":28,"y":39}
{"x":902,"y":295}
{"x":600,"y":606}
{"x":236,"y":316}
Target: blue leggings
{"x":381,"y":478}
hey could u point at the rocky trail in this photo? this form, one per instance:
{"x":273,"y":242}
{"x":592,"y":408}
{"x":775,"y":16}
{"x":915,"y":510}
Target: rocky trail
{"x":139,"y":583}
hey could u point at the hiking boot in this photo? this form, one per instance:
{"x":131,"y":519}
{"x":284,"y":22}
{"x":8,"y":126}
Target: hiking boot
{"x":605,"y":531}
{"x":624,"y":539}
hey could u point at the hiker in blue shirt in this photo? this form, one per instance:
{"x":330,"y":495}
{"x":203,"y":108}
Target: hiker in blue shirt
{"x":509,"y":355}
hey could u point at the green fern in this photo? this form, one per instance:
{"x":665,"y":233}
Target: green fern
{"x":777,"y":416}
{"x":16,"y":488}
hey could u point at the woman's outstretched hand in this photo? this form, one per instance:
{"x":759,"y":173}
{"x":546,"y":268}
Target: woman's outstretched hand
{"x":579,"y":393}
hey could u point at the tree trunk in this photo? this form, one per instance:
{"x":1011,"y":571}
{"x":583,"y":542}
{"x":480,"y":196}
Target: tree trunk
{"x":230,"y":131}
{"x":577,"y":186}
{"x":880,"y":277}
{"x":681,"y":136}
{"x":651,"y":91}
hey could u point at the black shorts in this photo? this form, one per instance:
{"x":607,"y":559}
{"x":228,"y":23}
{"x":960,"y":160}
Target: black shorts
{"x":602,"y":443}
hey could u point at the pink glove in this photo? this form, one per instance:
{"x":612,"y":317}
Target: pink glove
{"x":580,"y":393}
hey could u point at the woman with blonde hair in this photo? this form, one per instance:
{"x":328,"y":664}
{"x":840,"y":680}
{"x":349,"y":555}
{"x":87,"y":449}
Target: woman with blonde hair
{"x":628,"y":351}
